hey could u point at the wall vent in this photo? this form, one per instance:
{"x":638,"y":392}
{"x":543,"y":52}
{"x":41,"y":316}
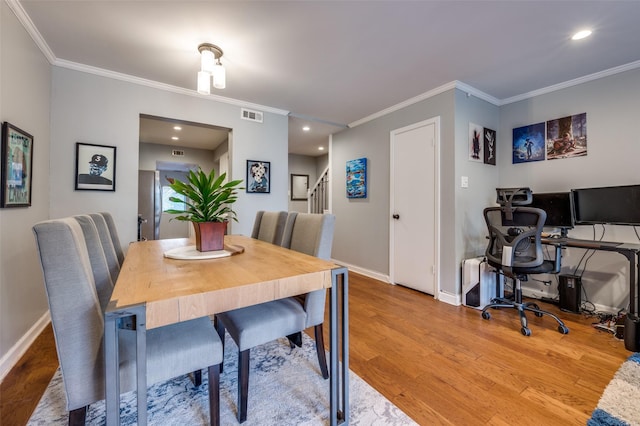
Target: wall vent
{"x":251,"y":115}
{"x":177,"y":153}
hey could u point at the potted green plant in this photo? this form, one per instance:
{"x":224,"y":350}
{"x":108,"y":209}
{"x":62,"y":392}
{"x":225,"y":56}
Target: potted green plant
{"x":207,"y":205}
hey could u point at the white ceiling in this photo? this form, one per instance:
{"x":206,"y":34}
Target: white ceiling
{"x":332,"y":63}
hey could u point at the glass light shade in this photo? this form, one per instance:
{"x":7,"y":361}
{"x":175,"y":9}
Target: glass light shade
{"x":219,"y":77}
{"x":207,"y":61}
{"x":204,"y":82}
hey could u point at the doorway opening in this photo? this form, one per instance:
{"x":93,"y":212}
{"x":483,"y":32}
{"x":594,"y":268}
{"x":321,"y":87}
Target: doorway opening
{"x":169,"y":148}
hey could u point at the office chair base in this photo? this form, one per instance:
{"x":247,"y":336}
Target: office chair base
{"x":522,"y":307}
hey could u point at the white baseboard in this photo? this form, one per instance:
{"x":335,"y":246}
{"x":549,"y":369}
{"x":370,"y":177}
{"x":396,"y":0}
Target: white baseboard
{"x":451,"y":299}
{"x":14,"y":354}
{"x":366,"y":272}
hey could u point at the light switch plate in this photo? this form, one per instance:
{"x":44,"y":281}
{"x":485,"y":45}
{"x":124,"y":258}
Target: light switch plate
{"x":464,"y":181}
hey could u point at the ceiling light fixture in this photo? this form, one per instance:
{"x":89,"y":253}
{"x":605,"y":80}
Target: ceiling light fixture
{"x":306,"y":128}
{"x":581,"y":34}
{"x":210,"y":65}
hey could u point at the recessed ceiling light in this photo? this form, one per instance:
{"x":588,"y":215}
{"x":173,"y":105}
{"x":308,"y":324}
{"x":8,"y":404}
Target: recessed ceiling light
{"x":321,"y":148}
{"x":175,"y":138}
{"x":306,"y":128}
{"x":581,"y":34}
{"x":177,"y":128}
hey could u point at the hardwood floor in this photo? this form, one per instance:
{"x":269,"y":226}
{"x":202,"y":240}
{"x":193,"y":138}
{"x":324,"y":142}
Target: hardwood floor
{"x":441,"y":364}
{"x":24,"y":385}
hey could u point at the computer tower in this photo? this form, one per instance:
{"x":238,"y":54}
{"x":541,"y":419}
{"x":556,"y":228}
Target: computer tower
{"x":480,"y":283}
{"x":632,"y":333}
{"x":570,"y":289}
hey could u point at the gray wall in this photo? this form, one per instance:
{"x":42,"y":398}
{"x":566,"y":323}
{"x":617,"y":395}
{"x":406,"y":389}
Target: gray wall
{"x":94,"y":109}
{"x":362,"y":225}
{"x":612,"y":105}
{"x":25,"y":87}
{"x":60,"y":107}
{"x":150,"y":153}
{"x":483,"y":178}
{"x":301,"y":165}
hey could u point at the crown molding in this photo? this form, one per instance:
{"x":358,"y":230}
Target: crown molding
{"x":27,"y":23}
{"x":431,"y":93}
{"x":571,"y":83}
{"x":31,"y":29}
{"x":162,"y":86}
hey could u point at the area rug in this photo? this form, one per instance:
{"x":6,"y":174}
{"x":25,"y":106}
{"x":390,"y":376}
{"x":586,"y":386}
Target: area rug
{"x":620,"y":402}
{"x":285,"y":388}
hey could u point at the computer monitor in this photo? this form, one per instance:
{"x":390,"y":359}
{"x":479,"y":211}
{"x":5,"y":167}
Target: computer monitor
{"x":559,"y":209}
{"x":617,"y":205}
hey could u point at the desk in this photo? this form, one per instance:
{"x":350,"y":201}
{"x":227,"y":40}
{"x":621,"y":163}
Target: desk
{"x":156,"y":291}
{"x":628,"y":250}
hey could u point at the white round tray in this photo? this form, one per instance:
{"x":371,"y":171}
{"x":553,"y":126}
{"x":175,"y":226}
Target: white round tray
{"x":190,"y":253}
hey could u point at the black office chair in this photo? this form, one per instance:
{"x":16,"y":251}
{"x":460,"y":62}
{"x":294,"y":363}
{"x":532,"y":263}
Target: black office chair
{"x":515,"y":250}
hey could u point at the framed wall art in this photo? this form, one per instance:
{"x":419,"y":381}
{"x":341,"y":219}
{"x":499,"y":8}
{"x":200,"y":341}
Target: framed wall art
{"x":567,"y":137}
{"x":476,"y":142}
{"x":17,"y":160}
{"x":357,"y":178}
{"x":258,"y":176}
{"x":489,"y":146}
{"x":529,"y":143}
{"x":95,"y":167}
{"x":299,"y":187}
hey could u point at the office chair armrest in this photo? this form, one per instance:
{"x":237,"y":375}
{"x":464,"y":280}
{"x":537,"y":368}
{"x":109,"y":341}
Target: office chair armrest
{"x":558,"y":258}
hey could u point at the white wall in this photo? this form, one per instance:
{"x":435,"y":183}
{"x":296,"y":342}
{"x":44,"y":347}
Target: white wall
{"x":25,"y":87}
{"x":94,"y":109}
{"x":612,"y":105}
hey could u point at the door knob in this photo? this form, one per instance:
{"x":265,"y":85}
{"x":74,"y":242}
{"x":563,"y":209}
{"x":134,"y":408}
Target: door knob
{"x":396,"y":216}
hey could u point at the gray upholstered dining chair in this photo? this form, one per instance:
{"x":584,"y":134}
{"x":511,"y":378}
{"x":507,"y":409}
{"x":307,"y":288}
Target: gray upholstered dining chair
{"x":107,"y":245}
{"x":269,"y":226}
{"x":256,"y":325}
{"x":113,"y":232}
{"x":71,"y":258}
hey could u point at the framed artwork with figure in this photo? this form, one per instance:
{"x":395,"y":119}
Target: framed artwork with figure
{"x":95,"y":167}
{"x":258,"y":176}
{"x":17,"y":169}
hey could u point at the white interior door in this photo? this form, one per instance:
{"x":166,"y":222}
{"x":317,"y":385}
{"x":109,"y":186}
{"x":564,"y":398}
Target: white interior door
{"x":414,"y":206}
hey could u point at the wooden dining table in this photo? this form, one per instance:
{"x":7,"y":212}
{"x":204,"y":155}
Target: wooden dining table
{"x":154,"y":290}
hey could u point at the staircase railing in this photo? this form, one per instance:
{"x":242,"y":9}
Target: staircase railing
{"x":318,"y":195}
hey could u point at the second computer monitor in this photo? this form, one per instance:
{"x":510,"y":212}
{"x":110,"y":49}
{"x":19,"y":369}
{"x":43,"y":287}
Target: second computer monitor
{"x":559,"y":209}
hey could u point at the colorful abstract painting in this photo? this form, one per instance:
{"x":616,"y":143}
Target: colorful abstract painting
{"x":357,"y":178}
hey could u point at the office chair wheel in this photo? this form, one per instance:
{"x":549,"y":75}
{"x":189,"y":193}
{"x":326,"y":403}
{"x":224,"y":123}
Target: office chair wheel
{"x":525,"y":331}
{"x":486,"y":315}
{"x":563,"y":329}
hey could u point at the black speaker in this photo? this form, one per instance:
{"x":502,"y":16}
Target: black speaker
{"x":632,"y":333}
{"x":570,"y":289}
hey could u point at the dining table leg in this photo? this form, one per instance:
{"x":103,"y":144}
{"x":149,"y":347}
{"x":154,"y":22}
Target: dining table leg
{"x":339,"y":347}
{"x":133,"y":317}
